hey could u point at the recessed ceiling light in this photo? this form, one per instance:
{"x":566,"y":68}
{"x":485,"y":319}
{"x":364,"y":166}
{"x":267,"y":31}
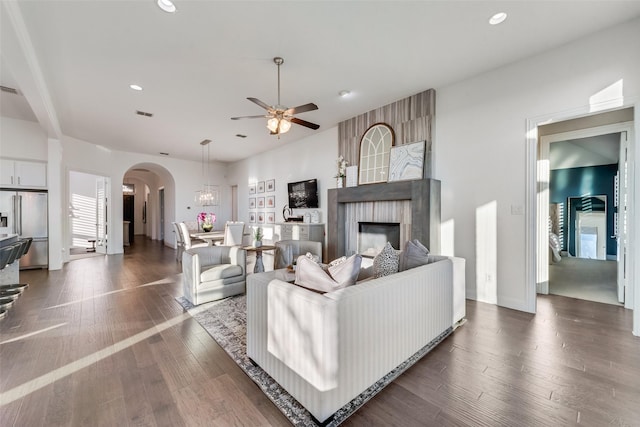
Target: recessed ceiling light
{"x":344,"y":93}
{"x":167,"y":5}
{"x":498,"y":18}
{"x":135,"y":87}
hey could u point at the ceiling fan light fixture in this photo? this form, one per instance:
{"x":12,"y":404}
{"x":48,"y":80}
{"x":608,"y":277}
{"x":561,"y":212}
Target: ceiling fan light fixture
{"x":272,"y":124}
{"x":285,"y":125}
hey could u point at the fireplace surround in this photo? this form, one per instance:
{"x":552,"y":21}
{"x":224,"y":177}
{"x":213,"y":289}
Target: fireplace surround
{"x":423,"y":222}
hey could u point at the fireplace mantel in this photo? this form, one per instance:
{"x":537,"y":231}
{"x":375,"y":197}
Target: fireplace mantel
{"x":423,"y":194}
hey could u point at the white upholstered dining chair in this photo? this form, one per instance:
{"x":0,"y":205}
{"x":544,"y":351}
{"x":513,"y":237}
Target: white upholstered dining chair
{"x":186,"y":236}
{"x":233,"y":234}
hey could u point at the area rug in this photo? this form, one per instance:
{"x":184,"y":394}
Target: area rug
{"x":226,"y":322}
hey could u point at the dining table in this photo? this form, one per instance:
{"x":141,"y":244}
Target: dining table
{"x":210,"y":237}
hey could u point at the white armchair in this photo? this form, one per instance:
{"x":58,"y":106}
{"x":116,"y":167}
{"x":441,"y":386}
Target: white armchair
{"x":289,"y":250}
{"x":213,"y":272}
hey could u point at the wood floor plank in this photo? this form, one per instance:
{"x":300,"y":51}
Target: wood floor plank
{"x":572,"y":363}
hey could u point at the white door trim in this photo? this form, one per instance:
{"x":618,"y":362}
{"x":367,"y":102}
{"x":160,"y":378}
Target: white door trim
{"x":533,"y":202}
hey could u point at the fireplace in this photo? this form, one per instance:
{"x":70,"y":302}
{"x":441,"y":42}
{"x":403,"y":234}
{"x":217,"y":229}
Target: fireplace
{"x":373,"y":236}
{"x":415,"y":205}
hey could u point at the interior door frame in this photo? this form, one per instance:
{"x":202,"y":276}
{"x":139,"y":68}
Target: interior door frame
{"x":535,"y":160}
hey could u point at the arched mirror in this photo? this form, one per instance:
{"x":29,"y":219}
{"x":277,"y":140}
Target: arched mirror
{"x":375,"y":147}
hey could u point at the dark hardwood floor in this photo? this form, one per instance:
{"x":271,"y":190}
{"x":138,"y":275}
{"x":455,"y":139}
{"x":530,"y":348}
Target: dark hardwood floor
{"x":103,"y":342}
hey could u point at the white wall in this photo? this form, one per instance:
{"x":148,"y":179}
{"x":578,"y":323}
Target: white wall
{"x":312,"y":157}
{"x":480,"y":148}
{"x":22,"y":140}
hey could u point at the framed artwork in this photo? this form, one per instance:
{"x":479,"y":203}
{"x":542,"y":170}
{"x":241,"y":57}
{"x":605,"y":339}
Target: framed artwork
{"x":252,"y":189}
{"x":375,"y":146}
{"x":406,"y":162}
{"x":252,"y":217}
{"x":260,"y":202}
{"x":260,"y":217}
{"x":271,"y":217}
{"x":271,"y":201}
{"x":271,"y":185}
{"x":252,"y":202}
{"x":260,"y":186}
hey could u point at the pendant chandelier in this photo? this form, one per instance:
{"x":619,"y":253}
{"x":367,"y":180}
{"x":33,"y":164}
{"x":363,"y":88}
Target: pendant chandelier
{"x":209,"y":195}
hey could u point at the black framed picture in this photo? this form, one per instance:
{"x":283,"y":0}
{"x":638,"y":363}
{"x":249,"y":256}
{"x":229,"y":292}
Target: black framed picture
{"x":252,"y":217}
{"x":252,"y":202}
{"x":260,"y":217}
{"x":260,"y":186}
{"x":252,"y":189}
{"x":260,"y":202}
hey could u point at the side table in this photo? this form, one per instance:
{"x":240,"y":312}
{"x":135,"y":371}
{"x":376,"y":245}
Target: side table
{"x":259,"y":267}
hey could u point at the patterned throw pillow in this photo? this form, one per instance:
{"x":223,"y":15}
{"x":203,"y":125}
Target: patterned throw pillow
{"x":386,"y":262}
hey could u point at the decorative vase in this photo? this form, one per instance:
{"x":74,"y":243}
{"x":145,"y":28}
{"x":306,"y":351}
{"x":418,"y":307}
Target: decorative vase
{"x":340,"y":182}
{"x":257,"y":243}
{"x":207,"y":227}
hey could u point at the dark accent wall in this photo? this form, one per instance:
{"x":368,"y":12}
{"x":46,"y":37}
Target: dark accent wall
{"x":577,"y":182}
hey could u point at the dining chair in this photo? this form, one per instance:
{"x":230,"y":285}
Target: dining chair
{"x":179,"y":241}
{"x":233,"y":234}
{"x":186,"y":237}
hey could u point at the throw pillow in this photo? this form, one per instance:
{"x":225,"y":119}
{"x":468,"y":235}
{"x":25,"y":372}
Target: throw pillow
{"x":312,"y":276}
{"x":345,"y":273}
{"x":386,"y":262}
{"x":414,"y":255}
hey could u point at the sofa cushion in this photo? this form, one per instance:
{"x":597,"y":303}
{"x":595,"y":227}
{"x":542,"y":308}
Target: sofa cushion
{"x":414,"y":255}
{"x":221,"y":271}
{"x":312,"y":276}
{"x":345,"y":272}
{"x":386,"y":262}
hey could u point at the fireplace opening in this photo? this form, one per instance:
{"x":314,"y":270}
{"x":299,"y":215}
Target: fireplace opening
{"x":372,"y":236}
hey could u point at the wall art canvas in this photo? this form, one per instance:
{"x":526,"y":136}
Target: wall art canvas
{"x":406,"y":162}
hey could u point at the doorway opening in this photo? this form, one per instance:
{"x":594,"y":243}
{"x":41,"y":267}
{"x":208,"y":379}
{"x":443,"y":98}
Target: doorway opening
{"x":587,"y":186}
{"x":87,"y":214}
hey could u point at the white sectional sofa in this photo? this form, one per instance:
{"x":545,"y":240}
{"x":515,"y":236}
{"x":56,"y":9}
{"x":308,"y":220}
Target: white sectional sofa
{"x":326,"y":349}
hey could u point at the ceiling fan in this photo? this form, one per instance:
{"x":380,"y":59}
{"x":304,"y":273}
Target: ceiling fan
{"x":280,"y":117}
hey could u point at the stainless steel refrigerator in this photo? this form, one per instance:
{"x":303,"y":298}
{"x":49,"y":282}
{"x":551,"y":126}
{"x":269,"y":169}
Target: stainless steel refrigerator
{"x":25,"y":213}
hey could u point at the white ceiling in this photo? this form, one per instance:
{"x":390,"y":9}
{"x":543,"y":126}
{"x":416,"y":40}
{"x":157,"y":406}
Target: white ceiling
{"x":582,"y":152}
{"x":197,"y":66}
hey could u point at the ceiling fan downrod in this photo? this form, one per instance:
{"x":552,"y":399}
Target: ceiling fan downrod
{"x":279,"y":61}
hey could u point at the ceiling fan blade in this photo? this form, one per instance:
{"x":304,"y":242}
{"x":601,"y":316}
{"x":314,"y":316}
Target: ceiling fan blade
{"x":305,"y":123}
{"x":260,"y":103}
{"x":302,"y":108}
{"x":250,"y":117}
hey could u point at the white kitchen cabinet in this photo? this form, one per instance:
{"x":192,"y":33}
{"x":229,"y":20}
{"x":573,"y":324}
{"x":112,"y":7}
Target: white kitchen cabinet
{"x":22,"y":174}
